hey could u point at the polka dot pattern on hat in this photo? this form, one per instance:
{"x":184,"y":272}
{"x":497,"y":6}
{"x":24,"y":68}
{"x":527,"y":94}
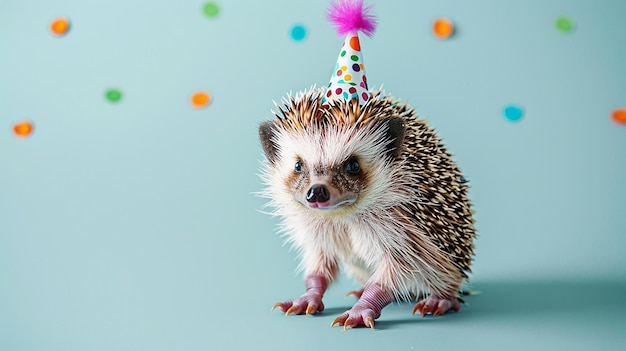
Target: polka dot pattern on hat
{"x":348,"y":80}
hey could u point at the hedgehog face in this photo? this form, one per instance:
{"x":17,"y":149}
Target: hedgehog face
{"x":326,"y":187}
{"x":325,"y":168}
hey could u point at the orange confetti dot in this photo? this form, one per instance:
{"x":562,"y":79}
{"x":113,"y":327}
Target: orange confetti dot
{"x":60,"y":26}
{"x":355,"y":44}
{"x":619,"y":116}
{"x":23,"y":129}
{"x":443,"y":28}
{"x":200,"y":99}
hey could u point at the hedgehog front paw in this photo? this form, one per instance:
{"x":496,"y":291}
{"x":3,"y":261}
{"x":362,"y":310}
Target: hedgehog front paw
{"x":436,"y":306}
{"x":359,"y":314}
{"x":372,"y":300}
{"x":309,"y":303}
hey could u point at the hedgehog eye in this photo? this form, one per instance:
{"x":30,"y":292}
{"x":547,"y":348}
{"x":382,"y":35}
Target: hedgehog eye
{"x":298,"y":167}
{"x":352,"y":166}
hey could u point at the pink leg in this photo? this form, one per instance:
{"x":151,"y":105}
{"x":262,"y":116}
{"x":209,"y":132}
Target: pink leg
{"x":436,"y":305}
{"x":311,"y":301}
{"x":373,"y":299}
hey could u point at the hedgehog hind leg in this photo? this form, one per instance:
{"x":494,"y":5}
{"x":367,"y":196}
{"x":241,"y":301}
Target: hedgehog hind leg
{"x":436,"y":305}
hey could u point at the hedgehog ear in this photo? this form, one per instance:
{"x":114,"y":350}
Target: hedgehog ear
{"x":395,"y":135}
{"x":266,"y":134}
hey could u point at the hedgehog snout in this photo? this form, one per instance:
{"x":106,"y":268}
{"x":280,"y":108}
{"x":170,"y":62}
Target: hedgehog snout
{"x":317,"y":193}
{"x":322,"y":194}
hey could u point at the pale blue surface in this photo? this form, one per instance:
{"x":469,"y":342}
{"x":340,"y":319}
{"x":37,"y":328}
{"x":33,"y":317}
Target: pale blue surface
{"x":131,"y":226}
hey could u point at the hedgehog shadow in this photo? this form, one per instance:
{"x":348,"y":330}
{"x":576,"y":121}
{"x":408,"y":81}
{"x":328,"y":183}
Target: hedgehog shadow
{"x":512,"y":299}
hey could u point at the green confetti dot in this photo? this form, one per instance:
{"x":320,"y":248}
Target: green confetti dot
{"x":113,"y":95}
{"x":564,"y":24}
{"x":211,"y":9}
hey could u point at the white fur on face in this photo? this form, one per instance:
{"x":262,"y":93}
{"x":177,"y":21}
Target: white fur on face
{"x":329,"y":146}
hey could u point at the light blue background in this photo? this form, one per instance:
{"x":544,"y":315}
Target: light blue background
{"x":133,"y":226}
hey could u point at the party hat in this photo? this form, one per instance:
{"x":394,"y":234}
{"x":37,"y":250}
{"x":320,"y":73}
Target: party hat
{"x":348,"y":80}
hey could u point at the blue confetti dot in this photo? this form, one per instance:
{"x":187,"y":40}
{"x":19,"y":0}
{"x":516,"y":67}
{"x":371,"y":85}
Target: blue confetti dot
{"x":298,"y":32}
{"x":513,"y":113}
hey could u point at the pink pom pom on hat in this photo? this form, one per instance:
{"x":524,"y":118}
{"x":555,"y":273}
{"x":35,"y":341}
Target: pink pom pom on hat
{"x":348,"y":80}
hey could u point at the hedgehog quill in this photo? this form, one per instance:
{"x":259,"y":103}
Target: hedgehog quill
{"x":364,"y":185}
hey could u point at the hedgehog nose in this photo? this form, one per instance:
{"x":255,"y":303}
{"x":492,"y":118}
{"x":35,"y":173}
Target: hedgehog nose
{"x":317,"y":193}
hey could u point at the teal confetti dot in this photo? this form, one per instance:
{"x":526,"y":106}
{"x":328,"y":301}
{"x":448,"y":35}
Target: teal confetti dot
{"x":113,"y":95}
{"x":513,"y":113}
{"x":564,"y":24}
{"x":211,"y":9}
{"x":298,"y":32}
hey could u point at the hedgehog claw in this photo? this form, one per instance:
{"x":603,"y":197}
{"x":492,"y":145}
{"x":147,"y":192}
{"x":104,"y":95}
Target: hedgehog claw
{"x":291,"y":310}
{"x":350,"y":322}
{"x":340,"y":320}
{"x":418,"y":307}
{"x":355,"y":293}
{"x":438,"y":312}
{"x":311,"y":309}
{"x":280,"y":306}
{"x":369,"y":322}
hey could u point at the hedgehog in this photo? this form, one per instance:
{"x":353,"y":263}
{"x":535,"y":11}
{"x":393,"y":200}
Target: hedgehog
{"x":363,"y":185}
